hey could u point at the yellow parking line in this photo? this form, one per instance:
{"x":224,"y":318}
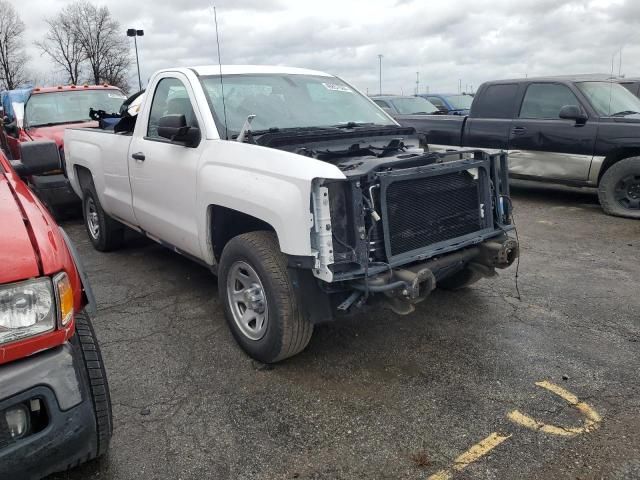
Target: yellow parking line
{"x":591,"y":422}
{"x":477,"y":451}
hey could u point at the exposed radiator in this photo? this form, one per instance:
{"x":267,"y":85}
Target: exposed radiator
{"x":428,"y":210}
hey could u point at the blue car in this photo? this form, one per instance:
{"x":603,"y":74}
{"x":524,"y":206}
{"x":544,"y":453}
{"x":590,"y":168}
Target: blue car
{"x":450,"y":103}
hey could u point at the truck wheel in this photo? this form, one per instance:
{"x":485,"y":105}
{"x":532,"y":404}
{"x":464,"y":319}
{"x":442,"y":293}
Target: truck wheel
{"x":104,"y":232}
{"x":461,"y":279}
{"x":260,"y":304}
{"x":619,"y":189}
{"x":85,"y":338}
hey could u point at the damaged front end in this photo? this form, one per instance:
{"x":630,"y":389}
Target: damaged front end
{"x":406,"y":224}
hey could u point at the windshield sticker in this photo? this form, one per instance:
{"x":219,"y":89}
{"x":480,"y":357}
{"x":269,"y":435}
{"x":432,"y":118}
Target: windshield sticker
{"x":116,"y":95}
{"x":337,"y":88}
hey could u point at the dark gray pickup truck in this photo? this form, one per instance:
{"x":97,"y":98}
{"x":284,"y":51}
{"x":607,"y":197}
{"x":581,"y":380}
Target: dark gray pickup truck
{"x":580,"y":131}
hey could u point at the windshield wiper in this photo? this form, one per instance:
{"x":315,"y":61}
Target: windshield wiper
{"x":624,"y":113}
{"x":53,"y":124}
{"x":354,"y":124}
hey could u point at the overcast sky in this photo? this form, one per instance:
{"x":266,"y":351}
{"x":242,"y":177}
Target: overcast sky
{"x":446,"y":41}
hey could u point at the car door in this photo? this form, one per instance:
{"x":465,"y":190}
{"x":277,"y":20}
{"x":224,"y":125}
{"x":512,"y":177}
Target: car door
{"x":163,"y":173}
{"x":543,"y":145}
{"x":489,"y":123}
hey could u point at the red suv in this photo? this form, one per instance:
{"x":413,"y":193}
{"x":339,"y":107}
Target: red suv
{"x":55,"y":409}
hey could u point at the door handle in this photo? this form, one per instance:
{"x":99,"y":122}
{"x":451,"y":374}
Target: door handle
{"x":138,"y":156}
{"x":518,"y":130}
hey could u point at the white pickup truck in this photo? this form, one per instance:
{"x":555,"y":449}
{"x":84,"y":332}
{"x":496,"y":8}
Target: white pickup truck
{"x":301,"y":194}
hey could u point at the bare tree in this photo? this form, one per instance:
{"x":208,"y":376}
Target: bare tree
{"x":102,"y":41}
{"x":12,"y":53}
{"x":116,"y":68}
{"x":63,"y":45}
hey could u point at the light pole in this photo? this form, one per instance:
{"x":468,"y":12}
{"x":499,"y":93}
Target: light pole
{"x":132,"y":32}
{"x":417,"y":83}
{"x":380,"y":71}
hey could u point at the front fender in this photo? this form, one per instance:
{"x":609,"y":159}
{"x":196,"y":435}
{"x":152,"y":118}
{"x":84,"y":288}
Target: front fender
{"x":271,"y":185}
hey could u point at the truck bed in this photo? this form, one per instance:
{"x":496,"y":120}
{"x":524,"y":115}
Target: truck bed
{"x":439,"y":129}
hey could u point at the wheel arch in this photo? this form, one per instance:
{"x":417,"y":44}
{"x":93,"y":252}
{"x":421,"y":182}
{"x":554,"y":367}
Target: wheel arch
{"x":226,"y":223}
{"x":84,"y":176}
{"x":615,"y":156}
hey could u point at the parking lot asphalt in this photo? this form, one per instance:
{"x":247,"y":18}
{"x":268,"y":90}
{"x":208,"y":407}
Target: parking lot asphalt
{"x":430,"y":395}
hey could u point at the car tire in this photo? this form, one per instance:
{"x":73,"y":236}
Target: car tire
{"x":619,"y":188}
{"x":253,"y":270}
{"x":461,"y":279}
{"x":85,"y":339}
{"x":105,"y":233}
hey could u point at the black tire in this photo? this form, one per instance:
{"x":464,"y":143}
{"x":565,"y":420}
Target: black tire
{"x":85,"y":338}
{"x":621,"y":202}
{"x":288,"y":331}
{"x":461,"y":279}
{"x":110,"y":233}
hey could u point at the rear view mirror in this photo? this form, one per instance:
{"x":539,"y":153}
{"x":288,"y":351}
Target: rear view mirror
{"x":174,"y":127}
{"x":572,"y":112}
{"x":37,"y":158}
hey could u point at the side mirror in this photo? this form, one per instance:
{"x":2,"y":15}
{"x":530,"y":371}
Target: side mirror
{"x":37,"y":158}
{"x":572,"y":112}
{"x":443,"y":110}
{"x":388,"y":110}
{"x":174,"y":127}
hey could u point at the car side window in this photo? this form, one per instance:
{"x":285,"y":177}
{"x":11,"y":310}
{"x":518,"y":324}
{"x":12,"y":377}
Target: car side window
{"x":436,"y":101}
{"x":495,"y":101}
{"x":544,"y":100}
{"x":382,"y":104}
{"x":170,"y":98}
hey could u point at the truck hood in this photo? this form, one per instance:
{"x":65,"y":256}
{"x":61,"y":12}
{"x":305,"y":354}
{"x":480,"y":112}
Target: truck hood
{"x":30,"y":241}
{"x":56,"y":132}
{"x":17,"y":255}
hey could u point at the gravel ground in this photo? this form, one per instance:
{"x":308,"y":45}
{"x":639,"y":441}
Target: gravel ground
{"x":381,"y":396}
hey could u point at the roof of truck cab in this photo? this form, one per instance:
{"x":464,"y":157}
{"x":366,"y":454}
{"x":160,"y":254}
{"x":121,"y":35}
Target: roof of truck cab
{"x":68,"y":88}
{"x":254,"y":69}
{"x":583,"y":77}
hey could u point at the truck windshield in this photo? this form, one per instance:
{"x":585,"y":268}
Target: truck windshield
{"x":459,"y":102}
{"x":414,"y":105}
{"x":289,"y":101}
{"x":70,"y":106}
{"x":609,"y":98}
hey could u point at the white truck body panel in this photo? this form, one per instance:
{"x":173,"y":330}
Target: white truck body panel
{"x":169,"y":194}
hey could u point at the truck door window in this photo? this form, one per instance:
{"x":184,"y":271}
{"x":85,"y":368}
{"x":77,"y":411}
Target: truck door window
{"x":382,"y":104}
{"x":170,"y":98}
{"x":436,"y":101}
{"x":496,"y":101}
{"x":544,"y":100}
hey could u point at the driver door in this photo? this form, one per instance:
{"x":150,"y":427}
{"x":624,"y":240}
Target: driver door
{"x":163,"y":173}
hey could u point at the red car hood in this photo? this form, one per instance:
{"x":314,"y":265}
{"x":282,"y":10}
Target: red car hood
{"x":30,"y":241}
{"x":17,"y":255}
{"x":56,"y":132}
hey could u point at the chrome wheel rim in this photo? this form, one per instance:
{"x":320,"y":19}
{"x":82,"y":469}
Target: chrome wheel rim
{"x":247,"y":300}
{"x":93,"y":223}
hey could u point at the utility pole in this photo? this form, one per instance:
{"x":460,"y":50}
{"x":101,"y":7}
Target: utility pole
{"x":380,"y":72}
{"x":459,"y":85}
{"x":417,"y":83}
